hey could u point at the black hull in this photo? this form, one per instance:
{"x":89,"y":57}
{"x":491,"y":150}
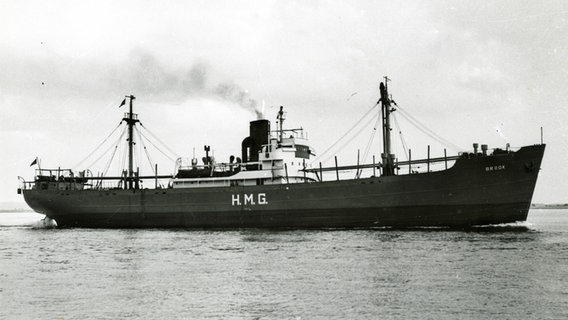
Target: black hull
{"x":479,"y":190}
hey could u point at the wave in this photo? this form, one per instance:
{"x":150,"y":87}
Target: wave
{"x":26,"y":219}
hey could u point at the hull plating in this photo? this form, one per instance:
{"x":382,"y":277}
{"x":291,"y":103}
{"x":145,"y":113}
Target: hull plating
{"x":476,"y":191}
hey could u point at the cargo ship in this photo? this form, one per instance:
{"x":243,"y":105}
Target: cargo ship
{"x":274,"y":184}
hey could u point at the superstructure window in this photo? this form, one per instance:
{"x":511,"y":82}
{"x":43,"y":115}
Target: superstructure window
{"x":302,"y":151}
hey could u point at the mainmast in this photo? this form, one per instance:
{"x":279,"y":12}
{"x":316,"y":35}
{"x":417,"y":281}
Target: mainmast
{"x":131,"y":120}
{"x":387,"y":157}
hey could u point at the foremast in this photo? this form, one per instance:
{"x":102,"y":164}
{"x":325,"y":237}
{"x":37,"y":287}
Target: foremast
{"x":131,"y":119}
{"x":387,"y":157}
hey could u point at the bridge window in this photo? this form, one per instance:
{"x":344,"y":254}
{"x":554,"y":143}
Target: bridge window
{"x":302,"y":151}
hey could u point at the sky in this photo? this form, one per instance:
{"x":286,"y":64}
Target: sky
{"x":487,"y":72}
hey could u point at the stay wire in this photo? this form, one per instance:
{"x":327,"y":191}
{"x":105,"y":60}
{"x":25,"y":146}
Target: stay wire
{"x":146,"y":151}
{"x":371,"y":139}
{"x":428,"y":131}
{"x":97,"y":148}
{"x":124,"y":158}
{"x":160,"y":141}
{"x":353,"y":137}
{"x":344,"y":135}
{"x":162,"y":152}
{"x":369,"y":144}
{"x":112,"y":156}
{"x":109,"y":161}
{"x":402,"y":141}
{"x":108,"y":149}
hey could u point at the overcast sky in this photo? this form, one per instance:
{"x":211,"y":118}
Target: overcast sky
{"x":491,"y":72}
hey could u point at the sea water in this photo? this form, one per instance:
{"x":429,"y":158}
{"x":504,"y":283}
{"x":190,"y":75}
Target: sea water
{"x":498,"y":272}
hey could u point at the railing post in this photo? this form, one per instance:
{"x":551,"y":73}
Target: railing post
{"x":336,"y":170}
{"x":374,"y":168}
{"x":445,"y":159}
{"x":428,"y":161}
{"x":156,"y":175}
{"x":409,"y":161}
{"x":357,"y":174}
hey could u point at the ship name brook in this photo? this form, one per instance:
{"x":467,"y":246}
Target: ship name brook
{"x":495,"y":168}
{"x":252,"y":199}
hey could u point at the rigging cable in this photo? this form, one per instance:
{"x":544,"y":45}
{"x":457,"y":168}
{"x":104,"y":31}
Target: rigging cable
{"x":371,"y":139}
{"x":427,"y":131}
{"x":112,"y":156}
{"x":108,"y":149}
{"x":402,"y":141}
{"x":353,"y":137}
{"x":369,"y":144}
{"x":145,"y":150}
{"x":162,"y":152}
{"x":344,"y":135}
{"x":109,"y":162}
{"x":90,"y":154}
{"x":160,"y":141}
{"x":135,"y":160}
{"x":122,"y":163}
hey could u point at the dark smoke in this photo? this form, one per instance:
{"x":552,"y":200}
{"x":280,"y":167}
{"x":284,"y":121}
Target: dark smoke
{"x":232,"y":92}
{"x":152,"y":77}
{"x":195,"y":80}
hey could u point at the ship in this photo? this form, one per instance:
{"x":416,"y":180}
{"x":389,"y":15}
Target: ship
{"x":274,"y":184}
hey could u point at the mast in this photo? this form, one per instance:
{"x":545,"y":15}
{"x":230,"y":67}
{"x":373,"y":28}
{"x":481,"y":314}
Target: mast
{"x":281,"y":118}
{"x":131,"y":120}
{"x":388,"y":158}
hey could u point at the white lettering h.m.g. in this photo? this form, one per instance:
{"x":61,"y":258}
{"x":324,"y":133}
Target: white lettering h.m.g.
{"x":248,"y":199}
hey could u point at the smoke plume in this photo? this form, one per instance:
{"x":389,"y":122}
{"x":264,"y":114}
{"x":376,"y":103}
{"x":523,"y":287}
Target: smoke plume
{"x":154,"y":78}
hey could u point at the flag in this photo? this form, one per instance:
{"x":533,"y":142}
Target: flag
{"x":34,"y":162}
{"x":122,"y":103}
